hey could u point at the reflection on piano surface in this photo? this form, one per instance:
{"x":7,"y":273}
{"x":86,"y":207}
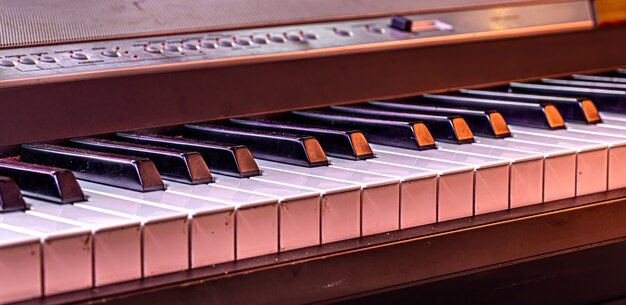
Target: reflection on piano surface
{"x":399,"y":191}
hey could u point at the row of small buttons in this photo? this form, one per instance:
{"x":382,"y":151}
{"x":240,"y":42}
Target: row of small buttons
{"x":44,"y":59}
{"x":214,"y":44}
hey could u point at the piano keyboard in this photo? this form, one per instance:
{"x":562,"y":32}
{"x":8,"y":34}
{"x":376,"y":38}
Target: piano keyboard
{"x":247,"y":187}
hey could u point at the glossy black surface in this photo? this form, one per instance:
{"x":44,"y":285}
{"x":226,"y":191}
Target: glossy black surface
{"x":584,"y":84}
{"x":226,"y":159}
{"x":571,"y":108}
{"x":605,"y":100}
{"x":523,"y":114}
{"x":398,"y":133}
{"x":336,"y":142}
{"x":11,"y":199}
{"x":302,"y":150}
{"x":478,"y":120}
{"x":53,"y":184}
{"x":610,"y":78}
{"x":134,"y":173}
{"x":173,"y":164}
{"x":441,"y":126}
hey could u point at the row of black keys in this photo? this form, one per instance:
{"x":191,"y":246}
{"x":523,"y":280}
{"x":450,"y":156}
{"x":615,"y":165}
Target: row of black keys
{"x":137,"y":160}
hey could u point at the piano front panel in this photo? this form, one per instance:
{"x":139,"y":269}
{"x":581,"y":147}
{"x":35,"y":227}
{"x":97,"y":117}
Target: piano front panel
{"x":410,"y":216}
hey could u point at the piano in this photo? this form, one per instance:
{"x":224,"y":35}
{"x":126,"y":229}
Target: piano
{"x":313,"y":151}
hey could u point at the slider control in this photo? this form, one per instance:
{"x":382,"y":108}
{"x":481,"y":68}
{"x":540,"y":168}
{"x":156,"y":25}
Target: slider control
{"x":413,"y":25}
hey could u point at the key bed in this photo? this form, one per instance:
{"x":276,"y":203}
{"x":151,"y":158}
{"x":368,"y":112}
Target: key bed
{"x":282,"y":193}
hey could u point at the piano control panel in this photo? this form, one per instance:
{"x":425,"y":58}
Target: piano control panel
{"x":24,"y":66}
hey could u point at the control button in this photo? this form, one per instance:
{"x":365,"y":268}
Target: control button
{"x":226,"y":43}
{"x":48,"y":59}
{"x":79,"y":56}
{"x":27,"y":61}
{"x":276,"y":38}
{"x":261,"y":40}
{"x":172,"y":48}
{"x":344,"y":33}
{"x":109,"y":53}
{"x":6,"y":63}
{"x":191,"y":47}
{"x":244,"y":42}
{"x":375,"y":29}
{"x":311,"y":36}
{"x":294,"y":37}
{"x":153,"y":49}
{"x":209,"y":45}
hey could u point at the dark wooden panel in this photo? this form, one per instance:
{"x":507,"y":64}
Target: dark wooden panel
{"x":54,"y":111}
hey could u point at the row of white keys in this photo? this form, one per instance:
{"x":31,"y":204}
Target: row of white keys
{"x":418,"y":189}
{"x":164,"y":231}
{"x":592,"y":156}
{"x":299,"y":210}
{"x":116,"y":240}
{"x":613,"y":138}
{"x":208,"y":236}
{"x":559,"y":169}
{"x":455,"y":189}
{"x":492,"y":186}
{"x":613,"y":135}
{"x":526,"y":171}
{"x":341,"y":202}
{"x":66,"y":252}
{"x":254,"y":221}
{"x":380,"y":195}
{"x":20,"y":266}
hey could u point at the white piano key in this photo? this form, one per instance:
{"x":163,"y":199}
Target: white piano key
{"x":491,"y":175}
{"x":380,"y":195}
{"x":592,"y":158}
{"x":116,"y":240}
{"x":299,"y":211}
{"x":164,"y":232}
{"x":526,"y":171}
{"x":256,"y":216}
{"x":341,"y":202}
{"x":20,"y":266}
{"x":66,"y":251}
{"x":559,"y":167}
{"x":613,"y":123}
{"x":418,"y":189}
{"x":455,"y":190}
{"x":212,"y":235}
{"x":612,"y":116}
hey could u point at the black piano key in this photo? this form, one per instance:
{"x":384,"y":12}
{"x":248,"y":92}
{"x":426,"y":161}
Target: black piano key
{"x":584,"y":84}
{"x":531,"y":115}
{"x":287,"y":148}
{"x":11,"y":199}
{"x":226,"y":159}
{"x":405,"y":134}
{"x":49,"y":183}
{"x":134,"y":173}
{"x":605,"y":100}
{"x":600,"y":78}
{"x":173,"y":164}
{"x":573,"y":109}
{"x":486,"y":123}
{"x":451,"y":129}
{"x":341,"y":143}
